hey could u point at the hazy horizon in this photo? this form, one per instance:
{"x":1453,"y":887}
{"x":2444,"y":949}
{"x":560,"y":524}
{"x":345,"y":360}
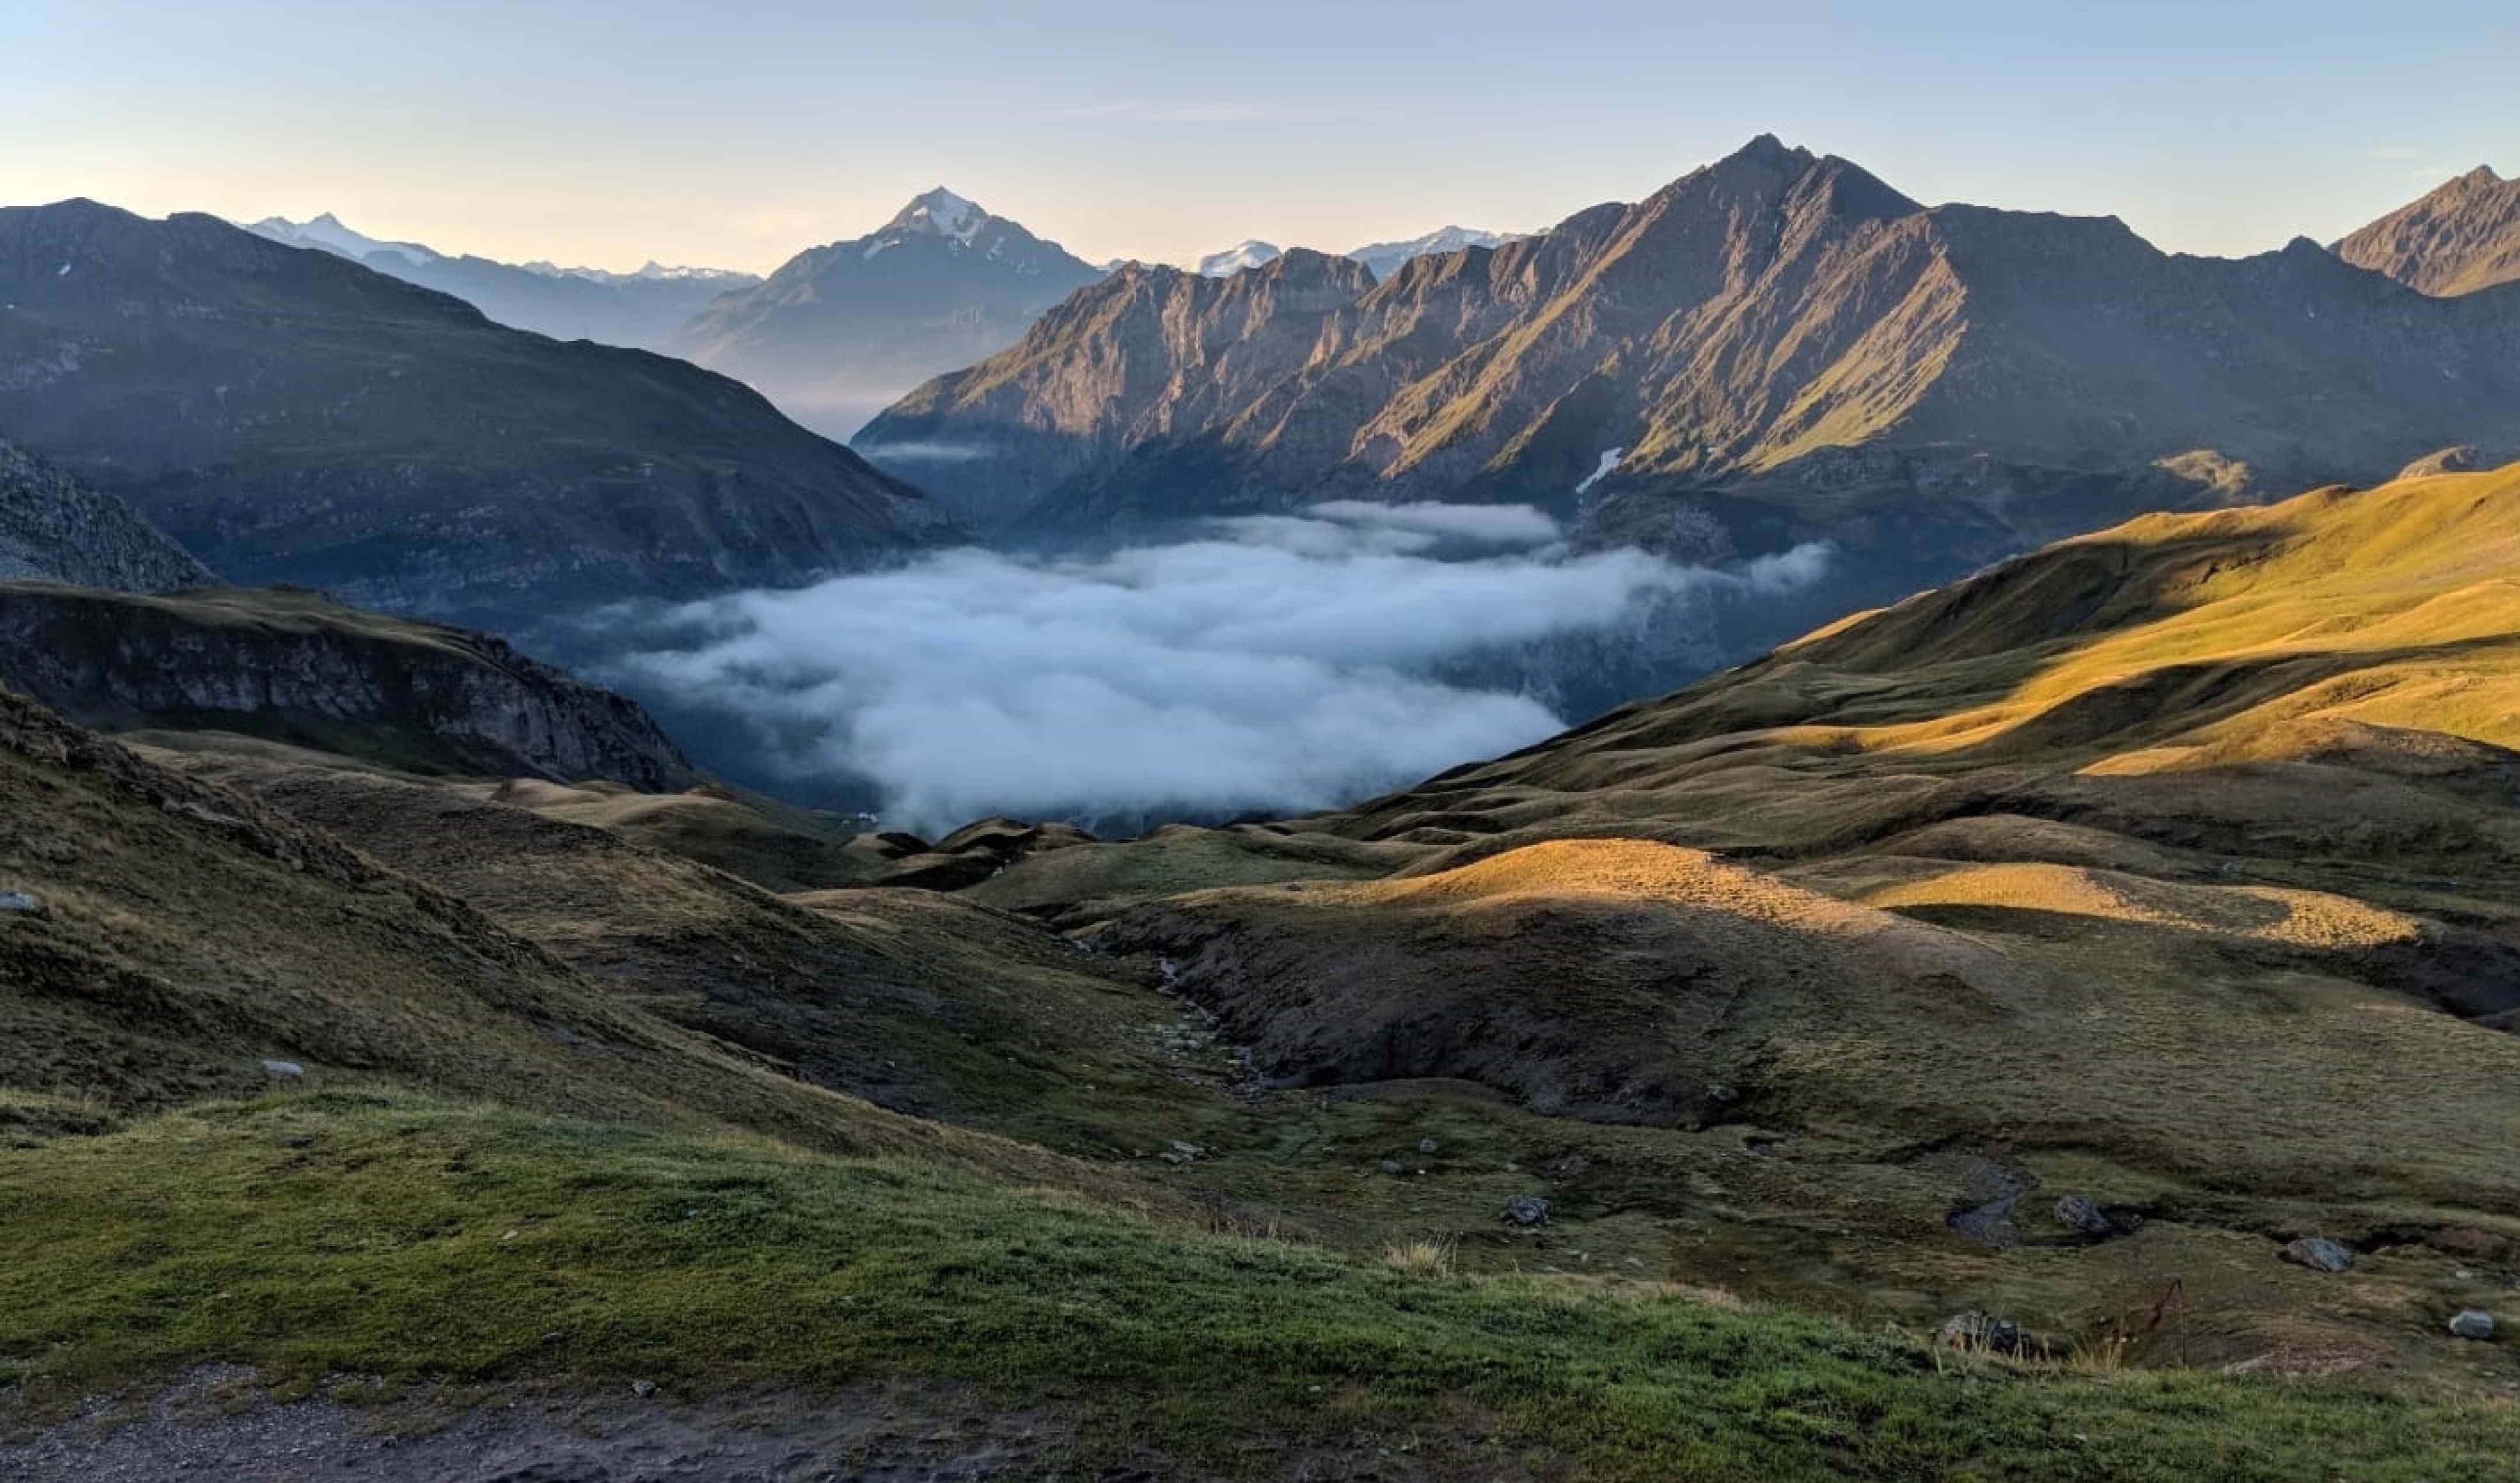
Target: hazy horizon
{"x":607,"y":135}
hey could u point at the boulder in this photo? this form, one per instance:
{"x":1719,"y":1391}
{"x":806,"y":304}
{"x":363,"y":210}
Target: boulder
{"x":21,"y":904}
{"x":2473,"y":1324}
{"x":2086,"y":1217}
{"x":1527,"y":1210}
{"x":2319,"y":1254}
{"x":283,"y":1070}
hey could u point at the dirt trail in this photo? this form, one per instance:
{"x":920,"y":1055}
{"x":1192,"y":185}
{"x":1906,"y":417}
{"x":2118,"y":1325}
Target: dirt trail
{"x":218,"y":1425}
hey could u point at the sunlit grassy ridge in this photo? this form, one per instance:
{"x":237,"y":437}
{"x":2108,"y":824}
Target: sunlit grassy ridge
{"x":398,"y":1236}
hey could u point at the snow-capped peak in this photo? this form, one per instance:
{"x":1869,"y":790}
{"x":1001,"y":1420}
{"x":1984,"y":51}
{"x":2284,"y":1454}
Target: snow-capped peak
{"x":1236,"y":258}
{"x":942,"y":213}
{"x":328,"y":233}
{"x":653,"y":272}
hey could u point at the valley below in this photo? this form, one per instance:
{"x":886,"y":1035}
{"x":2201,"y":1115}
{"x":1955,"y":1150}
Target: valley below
{"x":1919,"y":1052}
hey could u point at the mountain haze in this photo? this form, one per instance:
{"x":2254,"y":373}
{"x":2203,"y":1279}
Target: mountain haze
{"x":290,"y":416}
{"x":842,"y":328}
{"x":2460,"y":237}
{"x":640,"y":310}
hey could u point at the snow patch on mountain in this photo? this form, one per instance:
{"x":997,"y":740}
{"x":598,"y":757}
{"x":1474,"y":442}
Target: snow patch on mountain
{"x":941,"y":213}
{"x":327,"y":233}
{"x":1236,"y":258}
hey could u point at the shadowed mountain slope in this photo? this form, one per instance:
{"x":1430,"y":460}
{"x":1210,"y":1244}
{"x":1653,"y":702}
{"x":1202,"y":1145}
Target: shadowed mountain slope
{"x":290,"y":416}
{"x":55,"y":528}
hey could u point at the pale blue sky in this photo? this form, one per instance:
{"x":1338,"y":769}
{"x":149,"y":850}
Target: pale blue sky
{"x":735,"y":134}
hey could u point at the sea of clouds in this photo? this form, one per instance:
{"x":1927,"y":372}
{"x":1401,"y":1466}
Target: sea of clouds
{"x":1277,"y":663}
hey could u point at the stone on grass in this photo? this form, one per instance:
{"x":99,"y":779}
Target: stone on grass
{"x":1980,"y":1333}
{"x":1527,"y":1210}
{"x":1427,"y":1146}
{"x":2319,"y":1254}
{"x":2077,"y":1212}
{"x":2473,"y":1324}
{"x":285,"y":1071}
{"x":21,"y":904}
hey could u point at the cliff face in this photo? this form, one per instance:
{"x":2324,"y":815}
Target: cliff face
{"x":295,"y":667}
{"x":52,"y":526}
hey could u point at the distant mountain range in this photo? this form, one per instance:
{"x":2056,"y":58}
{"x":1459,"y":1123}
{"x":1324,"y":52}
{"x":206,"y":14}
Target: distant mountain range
{"x":1383,"y":257}
{"x":290,"y":416}
{"x":1779,"y":342}
{"x":2459,"y":238}
{"x":841,"y":329}
{"x":640,"y":310}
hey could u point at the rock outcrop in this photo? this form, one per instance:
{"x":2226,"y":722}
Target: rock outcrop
{"x":52,"y":526}
{"x":295,"y":667}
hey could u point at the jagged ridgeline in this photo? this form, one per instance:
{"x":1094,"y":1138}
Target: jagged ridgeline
{"x":290,"y":416}
{"x":1779,"y":338}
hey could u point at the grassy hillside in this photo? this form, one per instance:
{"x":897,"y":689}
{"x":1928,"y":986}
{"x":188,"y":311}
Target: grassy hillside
{"x":316,"y":1234}
{"x":2173,"y":871}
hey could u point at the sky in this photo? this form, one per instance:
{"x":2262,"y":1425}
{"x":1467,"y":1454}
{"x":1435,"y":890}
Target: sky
{"x":735,"y":134}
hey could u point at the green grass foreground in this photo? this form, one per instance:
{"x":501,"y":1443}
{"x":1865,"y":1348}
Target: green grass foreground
{"x":343,"y":1232}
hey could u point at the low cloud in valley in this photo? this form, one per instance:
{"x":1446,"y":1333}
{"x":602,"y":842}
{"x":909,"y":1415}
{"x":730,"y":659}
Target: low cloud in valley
{"x":1277,"y":662}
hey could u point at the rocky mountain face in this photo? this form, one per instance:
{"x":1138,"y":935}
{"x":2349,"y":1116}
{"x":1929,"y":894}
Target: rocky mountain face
{"x":2461,"y":237}
{"x":640,"y":310}
{"x":1116,"y":371}
{"x":53,"y":526}
{"x":1778,"y":340}
{"x":293,"y":667}
{"x":841,"y":329}
{"x":290,"y":416}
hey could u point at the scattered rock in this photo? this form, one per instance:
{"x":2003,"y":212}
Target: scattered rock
{"x":1527,"y":1210}
{"x":285,"y":1071}
{"x":21,"y":904}
{"x":642,"y":1389}
{"x":1427,"y":1146}
{"x":2473,"y":1324}
{"x":2078,"y":1213}
{"x":2084,"y":1216}
{"x":1392,"y":1166}
{"x":2319,"y":1254}
{"x":1980,"y":1333}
